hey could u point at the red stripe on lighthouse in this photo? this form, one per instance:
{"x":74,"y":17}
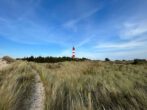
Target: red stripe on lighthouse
{"x":73,"y":52}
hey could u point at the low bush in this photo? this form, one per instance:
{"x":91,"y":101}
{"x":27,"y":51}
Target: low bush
{"x":8,"y":59}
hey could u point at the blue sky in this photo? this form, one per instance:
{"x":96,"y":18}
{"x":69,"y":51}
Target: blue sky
{"x":97,"y":28}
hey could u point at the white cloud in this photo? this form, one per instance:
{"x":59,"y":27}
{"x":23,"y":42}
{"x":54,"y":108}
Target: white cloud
{"x":28,"y":32}
{"x":71,"y":23}
{"x":125,"y":45}
{"x":85,"y":41}
{"x":133,"y":30}
{"x":32,"y":5}
{"x":129,"y":54}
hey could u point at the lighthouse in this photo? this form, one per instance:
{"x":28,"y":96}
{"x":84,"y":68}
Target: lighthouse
{"x":73,"y":52}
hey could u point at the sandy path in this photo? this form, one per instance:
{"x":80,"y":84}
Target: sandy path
{"x":36,"y":101}
{"x":38,"y":97}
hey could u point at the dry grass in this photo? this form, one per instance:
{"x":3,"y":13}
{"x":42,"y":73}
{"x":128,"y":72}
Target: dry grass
{"x":76,"y":86}
{"x":15,"y":86}
{"x":94,"y":86}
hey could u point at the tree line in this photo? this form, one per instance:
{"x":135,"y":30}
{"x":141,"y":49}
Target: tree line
{"x":51,"y":59}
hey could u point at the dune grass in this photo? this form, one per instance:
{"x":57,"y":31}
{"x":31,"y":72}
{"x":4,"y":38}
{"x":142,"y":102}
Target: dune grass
{"x":15,"y":86}
{"x":84,"y":85}
{"x":94,"y":86}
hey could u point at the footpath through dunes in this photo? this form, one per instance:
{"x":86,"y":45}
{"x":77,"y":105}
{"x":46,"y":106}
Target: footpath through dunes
{"x":20,"y":87}
{"x":38,"y":96}
{"x":35,"y":97}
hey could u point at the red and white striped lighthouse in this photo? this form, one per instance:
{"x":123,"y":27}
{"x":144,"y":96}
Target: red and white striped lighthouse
{"x":73,"y":52}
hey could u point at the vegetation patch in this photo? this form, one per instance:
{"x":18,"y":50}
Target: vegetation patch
{"x":8,"y":59}
{"x":94,"y":86}
{"x":88,"y":85}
